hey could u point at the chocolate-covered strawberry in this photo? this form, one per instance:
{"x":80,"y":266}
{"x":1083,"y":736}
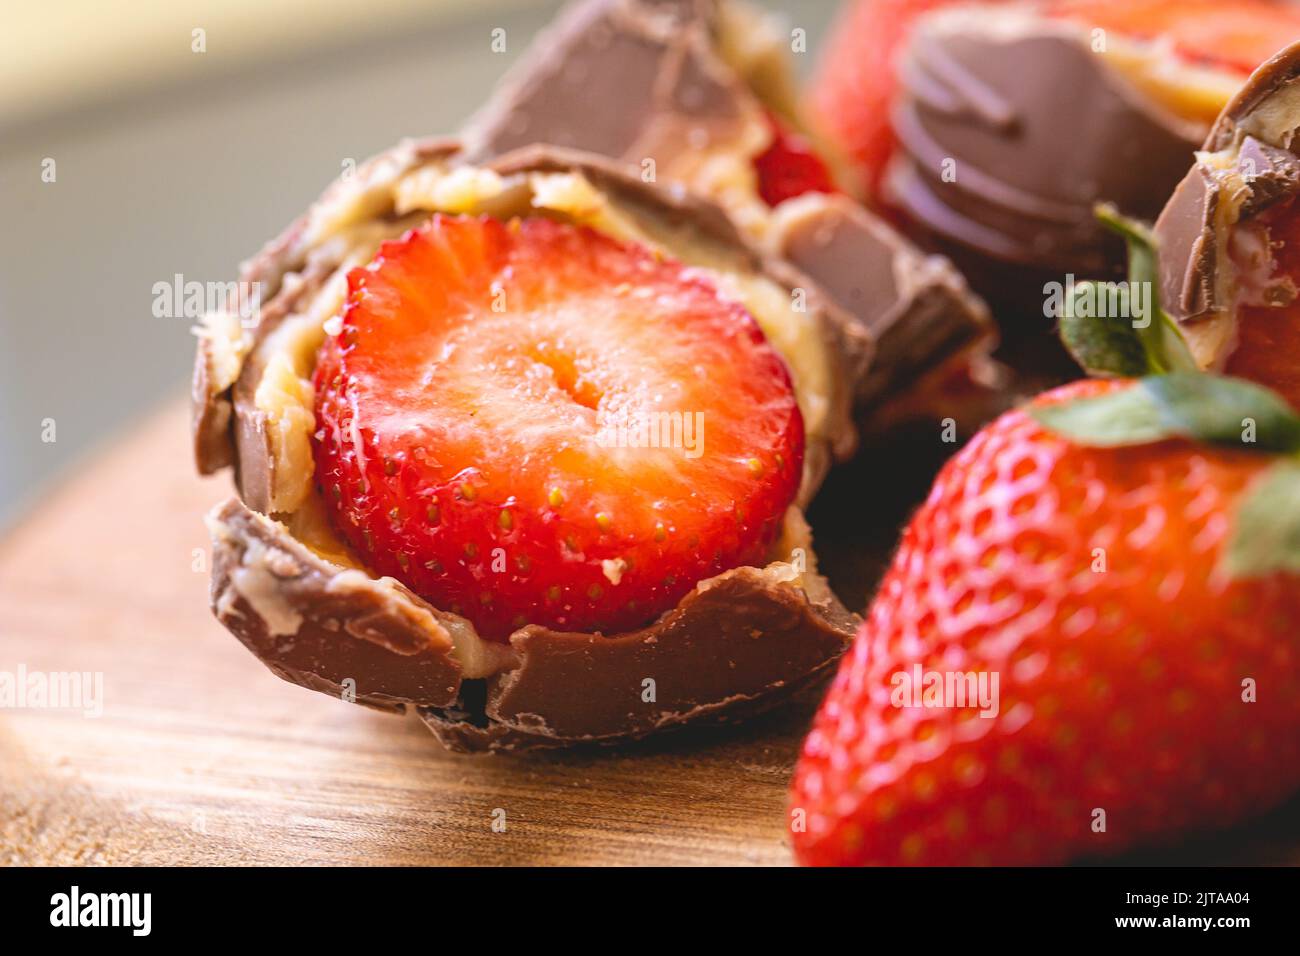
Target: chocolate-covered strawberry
{"x":1229,"y":238}
{"x":524,"y":446}
{"x":1013,"y":120}
{"x":1086,"y":641}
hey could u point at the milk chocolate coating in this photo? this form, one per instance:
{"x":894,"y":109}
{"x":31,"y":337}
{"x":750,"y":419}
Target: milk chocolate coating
{"x":628,"y":79}
{"x":637,"y":80}
{"x":380,"y":640}
{"x":736,"y":644}
{"x":1261,"y":174}
{"x":739,"y":643}
{"x":1011,"y":128}
{"x":1185,"y":230}
{"x":725,"y":652}
{"x":917,"y":306}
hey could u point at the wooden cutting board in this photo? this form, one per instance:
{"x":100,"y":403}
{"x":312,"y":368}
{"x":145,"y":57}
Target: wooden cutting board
{"x":201,"y":756}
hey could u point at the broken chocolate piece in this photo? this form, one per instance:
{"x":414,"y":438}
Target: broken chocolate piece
{"x":1246,"y":168}
{"x":1271,"y":175}
{"x":733,"y":644}
{"x":686,"y":112}
{"x":917,"y":306}
{"x":992,"y":164}
{"x":675,"y":98}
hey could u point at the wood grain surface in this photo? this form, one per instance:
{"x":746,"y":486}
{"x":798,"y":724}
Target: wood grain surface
{"x":201,"y":756}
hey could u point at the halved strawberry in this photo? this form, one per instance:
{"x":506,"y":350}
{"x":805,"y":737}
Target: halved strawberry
{"x":489,"y":411}
{"x":790,"y":167}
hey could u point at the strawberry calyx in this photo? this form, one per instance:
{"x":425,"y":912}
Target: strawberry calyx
{"x":1119,"y":328}
{"x":1198,"y":406}
{"x":1173,"y":399}
{"x":1218,"y":410}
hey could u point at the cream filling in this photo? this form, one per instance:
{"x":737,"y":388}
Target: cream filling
{"x":1213,"y":339}
{"x":1241,"y":275}
{"x":227,"y":347}
{"x":284,"y":392}
{"x":1242,"y":260}
{"x":1274,"y":120}
{"x":285,"y":397}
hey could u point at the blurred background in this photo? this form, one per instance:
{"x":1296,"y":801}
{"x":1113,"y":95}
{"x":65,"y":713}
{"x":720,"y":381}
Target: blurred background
{"x":169,"y":159}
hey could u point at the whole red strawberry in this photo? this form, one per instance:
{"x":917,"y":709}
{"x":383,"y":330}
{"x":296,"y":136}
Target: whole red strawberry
{"x":1087,"y":640}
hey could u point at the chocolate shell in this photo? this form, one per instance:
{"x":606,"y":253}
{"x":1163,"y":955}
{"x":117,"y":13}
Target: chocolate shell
{"x":295,"y":595}
{"x":679,"y":90}
{"x":1011,"y":128}
{"x":917,"y":306}
{"x":1247,"y":165}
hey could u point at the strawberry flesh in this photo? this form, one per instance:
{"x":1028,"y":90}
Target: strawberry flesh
{"x":488,"y":415}
{"x":790,"y":167}
{"x":1267,"y":348}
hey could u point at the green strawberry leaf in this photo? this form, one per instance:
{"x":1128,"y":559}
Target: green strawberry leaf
{"x":1119,"y":329}
{"x":1230,"y":412}
{"x":1101,"y":346}
{"x":1266,"y":538}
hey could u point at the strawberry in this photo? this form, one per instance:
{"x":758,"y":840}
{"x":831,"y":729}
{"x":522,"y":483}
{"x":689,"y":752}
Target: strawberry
{"x":853,"y":89}
{"x":790,"y":167}
{"x":530,"y":422}
{"x":1267,"y":346}
{"x":1125,"y":575}
{"x":1236,"y":35}
{"x":855,"y":84}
